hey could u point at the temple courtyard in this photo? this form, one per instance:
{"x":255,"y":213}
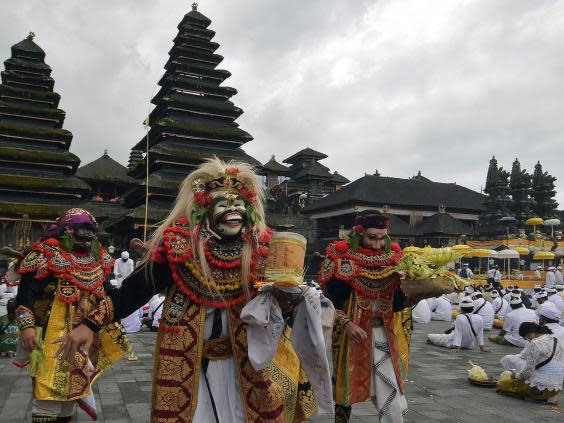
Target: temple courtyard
{"x":437,"y":388}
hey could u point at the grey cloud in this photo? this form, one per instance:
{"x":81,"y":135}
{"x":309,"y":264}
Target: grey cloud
{"x":398,"y":86}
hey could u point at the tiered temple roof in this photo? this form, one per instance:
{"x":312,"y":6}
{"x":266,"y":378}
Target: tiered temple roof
{"x":36,"y":168}
{"x":193,"y":119}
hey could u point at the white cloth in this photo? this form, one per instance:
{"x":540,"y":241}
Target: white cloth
{"x":512,"y":322}
{"x":156,"y":309}
{"x":494,"y":273}
{"x":551,"y":375}
{"x":557,"y":331}
{"x":538,"y":274}
{"x":421,"y":313}
{"x":462,"y":335}
{"x":132,"y":323}
{"x":265,"y":325}
{"x":223,"y":383}
{"x":122,"y":269}
{"x":550,"y":280}
{"x":441,"y":308}
{"x":557,"y":301}
{"x":327,"y":320}
{"x":390,"y":404}
{"x":53,"y":408}
{"x":501,"y":307}
{"x":486,"y":310}
{"x":558,"y":277}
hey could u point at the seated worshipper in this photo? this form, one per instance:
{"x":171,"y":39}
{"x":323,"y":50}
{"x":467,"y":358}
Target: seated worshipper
{"x":538,"y":372}
{"x":484,"y":309}
{"x":495,"y":274}
{"x":441,"y":309}
{"x":556,"y":299}
{"x":550,"y":279}
{"x":155,"y":312}
{"x":468,"y":328}
{"x":123,"y":267}
{"x":560,"y":290}
{"x":518,"y":292}
{"x":501,"y":308}
{"x":421,"y":313}
{"x":508,"y":292}
{"x":465,"y":272}
{"x":509,"y":335}
{"x":558,"y":276}
{"x":542,"y":298}
{"x":536,"y":290}
{"x":550,"y":317}
{"x":9,"y":331}
{"x":487,"y":292}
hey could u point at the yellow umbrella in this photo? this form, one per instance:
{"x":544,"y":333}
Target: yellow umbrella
{"x":412,"y":249}
{"x":523,"y":251}
{"x":481,"y":252}
{"x":534,"y":221}
{"x":461,"y":247}
{"x":544,"y":255}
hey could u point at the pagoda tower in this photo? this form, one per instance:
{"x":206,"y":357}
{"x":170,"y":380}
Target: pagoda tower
{"x":497,"y":202}
{"x":193,"y":120}
{"x":544,"y":190}
{"x":37,"y":170}
{"x":520,"y":189}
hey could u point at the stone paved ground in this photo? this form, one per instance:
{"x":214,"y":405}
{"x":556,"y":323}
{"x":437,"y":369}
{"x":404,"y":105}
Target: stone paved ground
{"x":437,"y":389}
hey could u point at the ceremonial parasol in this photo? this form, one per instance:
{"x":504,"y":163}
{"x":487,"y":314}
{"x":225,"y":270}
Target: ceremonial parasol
{"x":534,"y":221}
{"x":552,"y":223}
{"x":508,"y":255}
{"x":544,"y":255}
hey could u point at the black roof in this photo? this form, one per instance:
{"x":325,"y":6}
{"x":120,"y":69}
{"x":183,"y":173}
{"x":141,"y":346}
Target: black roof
{"x":273,"y":166}
{"x":339,"y":179}
{"x":305,"y":153}
{"x":27,"y":45}
{"x":443,"y":223}
{"x":379,"y":190}
{"x":312,"y":170}
{"x":105,"y":169}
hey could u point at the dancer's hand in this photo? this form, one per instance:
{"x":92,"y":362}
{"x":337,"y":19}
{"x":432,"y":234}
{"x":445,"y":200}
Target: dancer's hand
{"x":80,"y":338}
{"x":29,"y":339}
{"x":355,"y":332}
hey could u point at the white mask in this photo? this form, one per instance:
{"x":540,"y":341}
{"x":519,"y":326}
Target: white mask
{"x":228,"y":216}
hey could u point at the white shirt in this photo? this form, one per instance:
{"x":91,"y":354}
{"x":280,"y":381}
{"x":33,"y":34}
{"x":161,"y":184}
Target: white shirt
{"x":486,"y":310}
{"x":494,"y":273}
{"x":512,"y":322}
{"x":557,"y":331}
{"x":441,"y":309}
{"x":550,"y":280}
{"x":462,"y":335}
{"x":123,"y":268}
{"x":421,"y":313}
{"x":559,"y":278}
{"x":132,"y":323}
{"x":557,"y":301}
{"x":501,"y":307}
{"x":156,"y":309}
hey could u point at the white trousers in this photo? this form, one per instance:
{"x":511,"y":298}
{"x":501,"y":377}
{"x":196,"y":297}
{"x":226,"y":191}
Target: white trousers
{"x":386,"y":396}
{"x":52,"y":408}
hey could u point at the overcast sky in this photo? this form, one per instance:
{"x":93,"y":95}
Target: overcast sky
{"x":393,"y":85}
